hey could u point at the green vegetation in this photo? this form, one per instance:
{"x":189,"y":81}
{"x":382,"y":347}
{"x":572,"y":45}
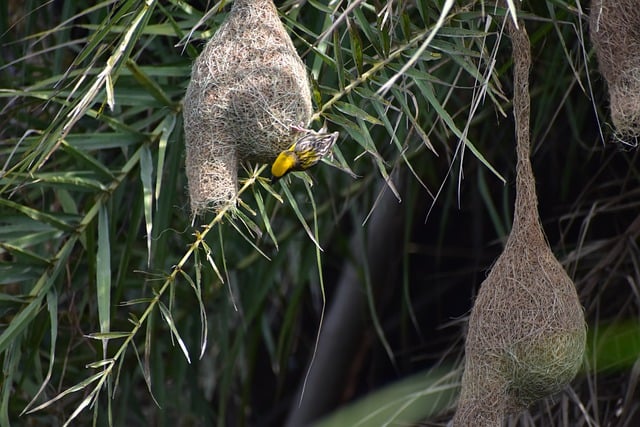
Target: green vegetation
{"x":117,"y":307}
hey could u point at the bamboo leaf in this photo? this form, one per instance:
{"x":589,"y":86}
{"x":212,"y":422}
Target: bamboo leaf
{"x":167,"y":128}
{"x":265,"y":217}
{"x":203,"y":313}
{"x":37,"y":215}
{"x":108,"y":335}
{"x":103,"y":275}
{"x":19,"y":323}
{"x":146,"y":172}
{"x":208,"y":254}
{"x":52,"y":308}
{"x":166,"y":315}
{"x":427,"y":91}
{"x":356,"y":46}
{"x":226,"y":271}
{"x":246,"y":238}
{"x":294,"y":205}
{"x":352,"y":110}
{"x":73,"y":389}
{"x":149,"y":84}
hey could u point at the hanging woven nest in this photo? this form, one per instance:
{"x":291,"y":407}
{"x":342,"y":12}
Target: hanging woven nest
{"x":615,"y":33}
{"x":248,"y":96}
{"x":526,"y":334}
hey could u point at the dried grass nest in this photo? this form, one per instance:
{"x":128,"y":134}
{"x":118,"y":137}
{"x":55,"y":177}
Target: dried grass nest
{"x":615,"y":33}
{"x":526,"y":334}
{"x":248,"y":88}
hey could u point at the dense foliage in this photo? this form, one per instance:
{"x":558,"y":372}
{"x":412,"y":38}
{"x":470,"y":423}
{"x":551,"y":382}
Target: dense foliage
{"x":117,"y":306}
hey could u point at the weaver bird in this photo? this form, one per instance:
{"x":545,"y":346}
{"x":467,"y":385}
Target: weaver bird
{"x":303,"y":154}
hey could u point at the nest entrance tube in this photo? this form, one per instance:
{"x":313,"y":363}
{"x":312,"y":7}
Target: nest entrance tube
{"x":249,"y":93}
{"x":526,"y":334}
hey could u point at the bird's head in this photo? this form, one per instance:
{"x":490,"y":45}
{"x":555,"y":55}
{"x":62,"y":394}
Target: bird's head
{"x":286,"y":162}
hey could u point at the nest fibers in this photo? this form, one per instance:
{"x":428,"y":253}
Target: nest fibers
{"x":615,"y":34}
{"x":247,"y":89}
{"x":526,"y":335}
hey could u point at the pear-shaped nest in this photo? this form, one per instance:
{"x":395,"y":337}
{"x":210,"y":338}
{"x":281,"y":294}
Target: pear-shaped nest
{"x":526,"y":334}
{"x":248,"y":88}
{"x":615,"y":33}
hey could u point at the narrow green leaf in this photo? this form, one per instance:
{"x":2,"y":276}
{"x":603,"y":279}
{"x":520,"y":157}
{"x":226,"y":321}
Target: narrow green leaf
{"x":100,"y":363}
{"x":86,"y":159}
{"x":18,"y":299}
{"x":385,"y":37}
{"x":103,"y":274}
{"x":354,"y":111}
{"x":405,"y":25}
{"x":337,"y":52}
{"x":356,"y":46}
{"x":208,"y":253}
{"x":148,"y":335}
{"x":32,"y":238}
{"x":9,"y":368}
{"x":166,"y":315}
{"x":52,"y":307}
{"x":265,"y":218}
{"x":365,"y":26}
{"x":75,"y":388}
{"x":338,"y":161}
{"x":67,"y":202}
{"x":248,"y":223}
{"x":487,"y":198}
{"x":226,"y":271}
{"x":38,"y":215}
{"x":322,"y":291}
{"x":264,"y":184}
{"x":119,"y":369}
{"x":245,"y":237}
{"x":370,"y":296}
{"x":411,"y":115}
{"x":427,"y":90}
{"x":408,"y":113}
{"x":448,"y":4}
{"x":148,"y":83}
{"x":321,"y":7}
{"x":316,"y":92}
{"x":19,"y":323}
{"x":238,"y":212}
{"x":296,"y":210}
{"x":145,"y":373}
{"x":71,"y":180}
{"x":108,"y":335}
{"x":203,"y":313}
{"x":32,"y":257}
{"x":167,"y":126}
{"x":103,"y":141}
{"x":146,"y":171}
{"x":85,"y":402}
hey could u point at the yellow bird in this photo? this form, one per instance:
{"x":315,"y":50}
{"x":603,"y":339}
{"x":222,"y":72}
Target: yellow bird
{"x":303,"y":154}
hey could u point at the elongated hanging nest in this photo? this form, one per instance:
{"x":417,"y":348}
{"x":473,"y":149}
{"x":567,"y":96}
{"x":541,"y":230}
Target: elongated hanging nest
{"x":615,"y":34}
{"x":526,"y":333}
{"x":248,"y":87}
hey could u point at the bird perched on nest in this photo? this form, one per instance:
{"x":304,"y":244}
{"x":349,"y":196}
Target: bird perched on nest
{"x":248,"y":88}
{"x":304,"y":153}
